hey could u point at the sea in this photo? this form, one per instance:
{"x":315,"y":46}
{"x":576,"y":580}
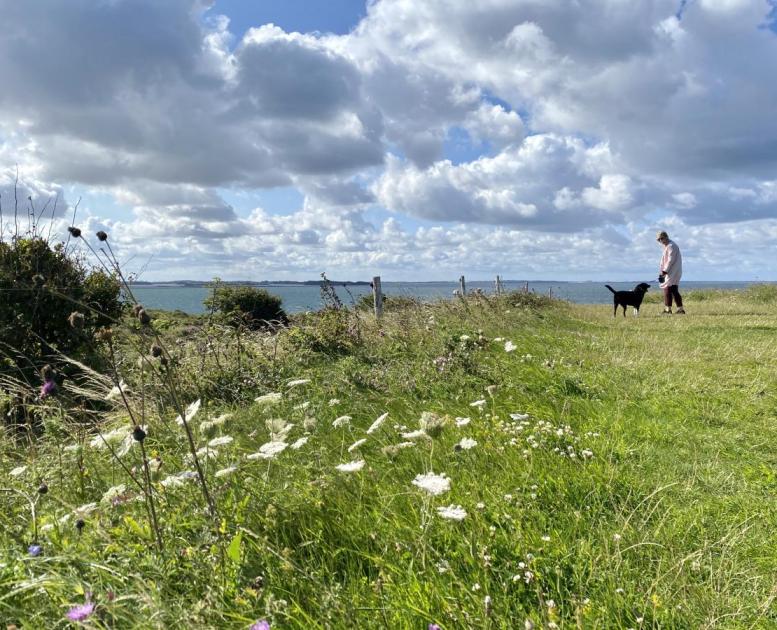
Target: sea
{"x":301,"y":298}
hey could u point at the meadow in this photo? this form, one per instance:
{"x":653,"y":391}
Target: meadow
{"x":490,"y":462}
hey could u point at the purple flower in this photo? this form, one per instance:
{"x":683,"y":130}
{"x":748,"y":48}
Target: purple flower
{"x":434,"y":626}
{"x":80,"y":612}
{"x":48,"y":388}
{"x":261,"y":625}
{"x":34,"y":550}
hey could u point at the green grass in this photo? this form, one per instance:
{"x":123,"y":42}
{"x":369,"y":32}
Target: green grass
{"x":670,"y":523}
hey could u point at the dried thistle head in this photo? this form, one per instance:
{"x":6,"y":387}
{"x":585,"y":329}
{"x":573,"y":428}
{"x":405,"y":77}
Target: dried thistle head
{"x":136,"y":309}
{"x":103,"y":334}
{"x":74,"y":231}
{"x":143,"y":317}
{"x":156,"y":351}
{"x":47,"y":372}
{"x":102,"y":236}
{"x":38,"y":281}
{"x":76,"y":320}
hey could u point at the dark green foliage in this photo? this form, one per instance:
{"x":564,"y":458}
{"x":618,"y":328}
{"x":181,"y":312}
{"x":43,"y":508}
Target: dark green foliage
{"x":246,"y":306}
{"x":41,"y":287}
{"x":329,"y":331}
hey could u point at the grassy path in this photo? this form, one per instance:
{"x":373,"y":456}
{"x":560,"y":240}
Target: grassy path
{"x":624,"y":476}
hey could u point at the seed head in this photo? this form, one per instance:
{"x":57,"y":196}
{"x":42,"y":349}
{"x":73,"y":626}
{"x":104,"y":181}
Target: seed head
{"x":80,"y":524}
{"x":156,"y":351}
{"x":43,"y":488}
{"x":102,"y":236}
{"x":103,"y":334}
{"x":139,"y":434}
{"x":74,"y":232}
{"x":38,"y":280}
{"x":136,"y":309}
{"x":76,"y":320}
{"x":163,"y":361}
{"x":143,"y":317}
{"x":47,"y":372}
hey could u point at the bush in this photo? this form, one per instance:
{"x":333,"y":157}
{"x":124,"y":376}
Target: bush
{"x":762,"y":293}
{"x":41,"y":287}
{"x":246,"y":305}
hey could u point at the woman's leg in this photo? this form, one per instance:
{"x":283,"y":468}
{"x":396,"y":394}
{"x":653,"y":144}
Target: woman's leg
{"x":677,"y":297}
{"x":668,"y":297}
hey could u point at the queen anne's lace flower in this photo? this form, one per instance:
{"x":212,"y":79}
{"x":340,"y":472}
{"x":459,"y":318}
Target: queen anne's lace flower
{"x":342,"y":421}
{"x":269,"y":399}
{"x":375,"y":425}
{"x":452,"y":512}
{"x":510,"y":346}
{"x":190,"y":412}
{"x":268,"y":450}
{"x":432,"y":483}
{"x":351,"y":466}
{"x":220,"y":441}
{"x":356,"y":445}
{"x":467,"y":444}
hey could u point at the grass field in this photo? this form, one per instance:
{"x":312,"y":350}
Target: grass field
{"x":599,"y":472}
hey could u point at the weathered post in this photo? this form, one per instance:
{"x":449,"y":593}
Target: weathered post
{"x":377,"y":296}
{"x":526,"y":287}
{"x":462,"y":287}
{"x":497,"y":286}
{"x":550,"y":292}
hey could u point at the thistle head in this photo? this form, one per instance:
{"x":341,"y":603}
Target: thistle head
{"x":74,"y":231}
{"x":76,"y":320}
{"x":102,"y":236}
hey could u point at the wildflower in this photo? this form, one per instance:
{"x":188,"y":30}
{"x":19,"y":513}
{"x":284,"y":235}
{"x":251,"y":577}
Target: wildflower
{"x":462,"y":422}
{"x":176,"y":480}
{"x":102,"y":236}
{"x":414,"y":435}
{"x":356,"y":445}
{"x":616,"y":537}
{"x":487,"y":604}
{"x":48,"y":388}
{"x":433,"y":484}
{"x":80,"y":612}
{"x":550,"y":603}
{"x":299,"y":443}
{"x":225,"y":471}
{"x":116,"y":391}
{"x":432,"y":423}
{"x":528,"y":624}
{"x":510,"y":346}
{"x":138,"y":434}
{"x":375,"y":425}
{"x":452,"y":512}
{"x":43,"y":488}
{"x":74,"y":231}
{"x":262,"y":624}
{"x":302,"y":406}
{"x":334,"y":401}
{"x":220,"y":441}
{"x":341,"y":421}
{"x":478,"y":403}
{"x":209,"y":425}
{"x":17,"y":471}
{"x":519,"y":416}
{"x":464,"y":338}
{"x":111,"y":493}
{"x":353,"y":466}
{"x":268,"y":450}
{"x":467,"y":443}
{"x":34,"y":550}
{"x":269,"y":399}
{"x":394,"y":449}
{"x":546,"y":538}
{"x":434,"y":626}
{"x":481,"y":506}
{"x":476,"y":587}
{"x":190,"y":412}
{"x":491,"y":390}
{"x":298,"y":382}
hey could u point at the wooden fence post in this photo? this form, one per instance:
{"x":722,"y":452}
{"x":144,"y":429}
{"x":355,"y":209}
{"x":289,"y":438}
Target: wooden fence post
{"x":377,"y":296}
{"x":550,"y":292}
{"x":462,"y":286}
{"x":526,"y":287}
{"x":498,"y":285}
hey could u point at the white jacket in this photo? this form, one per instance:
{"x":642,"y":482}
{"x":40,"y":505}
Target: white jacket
{"x":672,"y":264}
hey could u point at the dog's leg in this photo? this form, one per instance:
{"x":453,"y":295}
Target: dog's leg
{"x":615,"y":309}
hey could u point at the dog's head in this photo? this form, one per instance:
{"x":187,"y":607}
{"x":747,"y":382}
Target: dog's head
{"x":642,"y":287}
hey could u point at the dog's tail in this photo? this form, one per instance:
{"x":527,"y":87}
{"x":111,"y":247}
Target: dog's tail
{"x":610,"y":288}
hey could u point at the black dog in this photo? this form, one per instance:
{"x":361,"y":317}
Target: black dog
{"x":628,"y":298}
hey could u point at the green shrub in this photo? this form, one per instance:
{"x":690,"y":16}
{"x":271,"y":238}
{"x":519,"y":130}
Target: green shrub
{"x":246,"y":305}
{"x":366,"y":302}
{"x":40,"y":288}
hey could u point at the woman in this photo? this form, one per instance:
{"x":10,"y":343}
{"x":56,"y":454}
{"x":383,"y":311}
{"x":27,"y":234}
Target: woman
{"x":670,"y":272}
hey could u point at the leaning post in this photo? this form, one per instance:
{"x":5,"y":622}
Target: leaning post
{"x":462,"y":286}
{"x":377,"y":296}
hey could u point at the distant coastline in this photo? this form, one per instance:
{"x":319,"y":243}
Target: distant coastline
{"x":246,"y":283}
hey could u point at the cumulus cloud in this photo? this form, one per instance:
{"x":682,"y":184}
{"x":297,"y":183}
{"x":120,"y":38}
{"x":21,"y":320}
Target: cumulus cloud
{"x":584,"y":122}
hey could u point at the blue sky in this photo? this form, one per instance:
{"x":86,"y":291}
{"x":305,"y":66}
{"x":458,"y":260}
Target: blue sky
{"x":442,"y":137}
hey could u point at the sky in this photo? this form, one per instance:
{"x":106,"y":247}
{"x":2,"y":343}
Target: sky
{"x":278,"y":139}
